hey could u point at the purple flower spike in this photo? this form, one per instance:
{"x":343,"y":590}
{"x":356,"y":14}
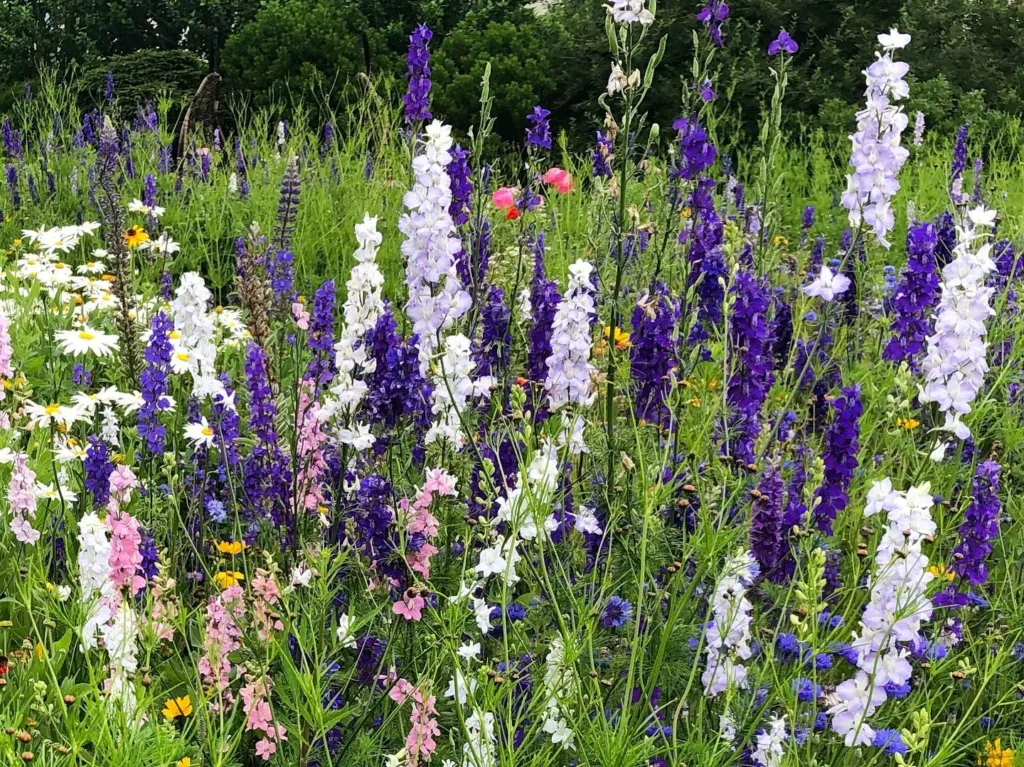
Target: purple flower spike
{"x":417,"y":98}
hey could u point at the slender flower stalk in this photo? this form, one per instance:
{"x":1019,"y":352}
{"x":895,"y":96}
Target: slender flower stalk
{"x":915,"y":297}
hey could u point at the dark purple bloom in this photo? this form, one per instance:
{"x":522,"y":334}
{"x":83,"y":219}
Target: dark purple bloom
{"x":696,"y":152}
{"x":980,"y":526}
{"x":417,"y":73}
{"x":108,"y":88}
{"x":494,"y":347}
{"x":460,"y":207}
{"x":326,"y":139}
{"x":707,"y":92}
{"x":98,"y":468}
{"x":959,"y":163}
{"x":544,"y":298}
{"x":617,"y":611}
{"x":538,"y":133}
{"x":602,"y":155}
{"x":978,"y":167}
{"x":240,"y":172}
{"x":153,"y":384}
{"x":782,"y":44}
{"x":12,"y":140}
{"x":321,"y":336}
{"x":945,"y":230}
{"x":12,"y":187}
{"x":396,"y":388}
{"x":81,"y":376}
{"x":652,"y":354}
{"x":782,"y":333}
{"x":891,"y":741}
{"x":842,"y":441}
{"x":808,"y":219}
{"x":707,"y":260}
{"x":915,"y":297}
{"x":768,"y":538}
{"x":713,"y":16}
{"x":750,"y":365}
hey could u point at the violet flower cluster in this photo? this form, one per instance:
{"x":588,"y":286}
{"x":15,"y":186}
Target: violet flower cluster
{"x":842,"y":441}
{"x":750,"y":364}
{"x":436,"y":298}
{"x":569,"y":370}
{"x":916,"y":295}
{"x":877,"y":155}
{"x":417,"y":73}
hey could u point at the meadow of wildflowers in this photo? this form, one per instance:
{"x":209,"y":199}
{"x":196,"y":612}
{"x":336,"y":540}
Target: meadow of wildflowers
{"x":358,"y":444}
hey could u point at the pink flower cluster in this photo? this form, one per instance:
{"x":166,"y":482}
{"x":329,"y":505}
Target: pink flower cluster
{"x":265,"y":594}
{"x":420,"y":743}
{"x":312,"y":464}
{"x":259,"y":717}
{"x":22,"y":500}
{"x":420,"y":520}
{"x":222,"y":637}
{"x":125,"y":558}
{"x":122,"y":482}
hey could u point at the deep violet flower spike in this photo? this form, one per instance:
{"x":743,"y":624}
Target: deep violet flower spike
{"x":652,"y":354}
{"x":154,"y":384}
{"x":696,"y":152}
{"x":544,"y":299}
{"x":916,"y":296}
{"x":98,"y":467}
{"x":767,"y":531}
{"x":602,"y":156}
{"x":751,"y":360}
{"x":321,"y":336}
{"x":980,"y":527}
{"x":538,"y":133}
{"x":417,"y":98}
{"x":842,"y":442}
{"x":108,"y":88}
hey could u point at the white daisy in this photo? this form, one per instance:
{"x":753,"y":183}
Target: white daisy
{"x":199,"y":434}
{"x":87,"y":340}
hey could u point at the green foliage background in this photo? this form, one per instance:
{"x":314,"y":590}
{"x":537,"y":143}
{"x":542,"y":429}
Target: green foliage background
{"x":963,"y":58}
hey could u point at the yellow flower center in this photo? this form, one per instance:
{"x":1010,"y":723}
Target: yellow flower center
{"x":207,"y":431}
{"x":85,"y":335}
{"x":52,"y":409}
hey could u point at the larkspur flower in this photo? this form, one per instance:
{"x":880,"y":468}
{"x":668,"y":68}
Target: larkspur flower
{"x":538,"y":134}
{"x":915,"y":297}
{"x":783,"y":44}
{"x":569,"y":369}
{"x":842,"y":442}
{"x":652,"y":354}
{"x":877,"y":155}
{"x":955,"y":365}
{"x":713,"y":15}
{"x":417,"y":73}
{"x":728,"y":634}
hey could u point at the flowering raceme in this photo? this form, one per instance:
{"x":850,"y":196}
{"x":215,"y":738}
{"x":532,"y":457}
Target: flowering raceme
{"x":569,"y":367}
{"x":915,"y":296}
{"x":956,"y":362}
{"x":436,"y":297}
{"x":877,"y":155}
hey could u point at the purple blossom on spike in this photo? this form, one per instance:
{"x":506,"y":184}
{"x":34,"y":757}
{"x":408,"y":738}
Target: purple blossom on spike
{"x":538,"y":134}
{"x":707,"y":91}
{"x":108,"y":88}
{"x":959,"y":164}
{"x":696,"y":152}
{"x":153,"y":384}
{"x":914,"y":299}
{"x":980,"y":527}
{"x":326,"y":139}
{"x":544,"y":300}
{"x":240,"y":171}
{"x":750,"y":365}
{"x":842,"y":442}
{"x":602,"y":155}
{"x":417,"y":73}
{"x":919,"y":129}
{"x":12,"y":186}
{"x":768,"y":537}
{"x":321,"y":336}
{"x":652,"y":354}
{"x":98,"y":468}
{"x":492,"y":352}
{"x":12,"y":140}
{"x":395,"y":387}
{"x":713,"y":16}
{"x":978,"y":167}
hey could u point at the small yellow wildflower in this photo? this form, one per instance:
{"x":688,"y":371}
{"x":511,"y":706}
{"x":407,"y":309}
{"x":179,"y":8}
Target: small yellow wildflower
{"x":908,"y":423}
{"x":185,"y":762}
{"x":621,"y":337}
{"x":780,"y":240}
{"x":231,"y":547}
{"x":135,"y":236}
{"x":940,"y":571}
{"x":227,"y":578}
{"x":175,"y":707}
{"x":996,"y":755}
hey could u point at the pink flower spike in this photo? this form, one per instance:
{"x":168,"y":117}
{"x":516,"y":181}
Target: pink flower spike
{"x":504,"y":198}
{"x":409,"y":607}
{"x":266,"y":748}
{"x":301,"y":315}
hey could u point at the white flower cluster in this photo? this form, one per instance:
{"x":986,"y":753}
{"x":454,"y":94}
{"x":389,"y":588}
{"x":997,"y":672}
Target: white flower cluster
{"x":436,"y":297}
{"x":899,"y":605}
{"x":194,"y":349}
{"x":630,"y":12}
{"x":121,"y":640}
{"x":480,"y":750}
{"x":877,"y":155}
{"x":955,"y":366}
{"x":93,"y":571}
{"x":558,"y":682}
{"x":453,"y":388}
{"x":517,"y":508}
{"x":363,"y":307}
{"x":770,"y":742}
{"x":728,"y":636}
{"x":569,"y":368}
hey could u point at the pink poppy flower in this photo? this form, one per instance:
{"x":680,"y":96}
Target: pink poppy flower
{"x":559,"y":179}
{"x":504,"y":198}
